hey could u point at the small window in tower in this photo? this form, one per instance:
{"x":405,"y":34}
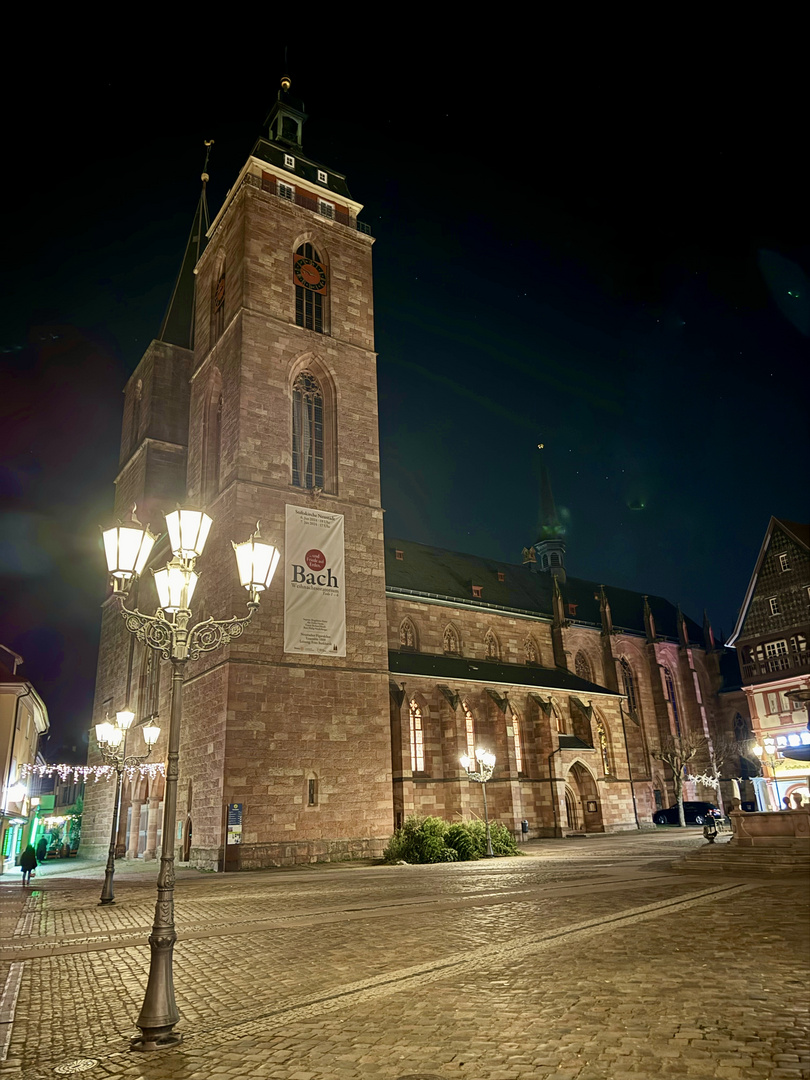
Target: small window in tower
{"x":322,"y":177}
{"x":312,"y":792}
{"x":783,"y":562}
{"x":326,"y":209}
{"x":400,"y":555}
{"x":477,"y":590}
{"x":773,"y":604}
{"x":289,"y":161}
{"x":286,"y":191}
{"x":501,"y":576}
{"x":572,"y":610}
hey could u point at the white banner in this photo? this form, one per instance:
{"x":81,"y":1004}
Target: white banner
{"x":314,"y":597}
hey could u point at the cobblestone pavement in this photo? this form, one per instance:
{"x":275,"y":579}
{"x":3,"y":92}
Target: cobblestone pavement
{"x":583,"y":960}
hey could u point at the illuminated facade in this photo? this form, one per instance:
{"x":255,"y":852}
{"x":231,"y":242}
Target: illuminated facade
{"x":771,"y":638}
{"x":260,"y":395}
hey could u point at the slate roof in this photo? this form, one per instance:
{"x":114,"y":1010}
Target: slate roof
{"x":305,"y":166}
{"x":450,"y":575}
{"x":452,"y":669}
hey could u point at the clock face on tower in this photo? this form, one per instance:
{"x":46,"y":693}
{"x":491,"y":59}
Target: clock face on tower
{"x":309,"y":274}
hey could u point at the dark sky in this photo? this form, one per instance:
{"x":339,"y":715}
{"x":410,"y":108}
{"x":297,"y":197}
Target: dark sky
{"x":582,"y":243}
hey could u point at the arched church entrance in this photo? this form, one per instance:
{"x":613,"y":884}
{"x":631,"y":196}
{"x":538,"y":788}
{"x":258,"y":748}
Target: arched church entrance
{"x":582,"y":802}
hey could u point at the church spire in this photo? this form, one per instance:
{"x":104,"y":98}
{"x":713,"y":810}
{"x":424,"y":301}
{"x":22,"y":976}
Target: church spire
{"x":550,"y":545}
{"x":177,"y":327}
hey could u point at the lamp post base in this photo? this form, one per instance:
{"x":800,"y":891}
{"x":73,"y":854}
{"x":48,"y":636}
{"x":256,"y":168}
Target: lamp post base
{"x":156,"y":1039}
{"x":102,"y":901}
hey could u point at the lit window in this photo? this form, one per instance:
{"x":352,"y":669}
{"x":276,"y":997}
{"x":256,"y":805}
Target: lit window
{"x":793,"y":740}
{"x":289,"y":161}
{"x":417,"y":738}
{"x":477,"y":590}
{"x":326,"y":209}
{"x":783,"y":562}
{"x":773,"y":604}
{"x":518,"y":744}
{"x":469,"y":727}
{"x":400,"y":555}
{"x":307,"y":448}
{"x":322,"y":177}
{"x":805,"y":738}
{"x":286,"y":191}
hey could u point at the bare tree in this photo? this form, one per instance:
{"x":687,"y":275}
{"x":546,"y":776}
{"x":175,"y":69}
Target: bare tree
{"x":677,"y":751}
{"x":715,"y":754}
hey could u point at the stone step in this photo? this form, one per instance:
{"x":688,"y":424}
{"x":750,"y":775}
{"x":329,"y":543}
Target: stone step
{"x":743,"y":860}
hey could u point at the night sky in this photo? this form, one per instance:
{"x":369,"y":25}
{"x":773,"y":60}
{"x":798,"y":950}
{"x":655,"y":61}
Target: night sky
{"x":574,"y":246}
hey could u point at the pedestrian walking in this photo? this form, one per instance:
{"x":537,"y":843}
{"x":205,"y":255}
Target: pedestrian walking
{"x":42,"y":849}
{"x":28,"y":863}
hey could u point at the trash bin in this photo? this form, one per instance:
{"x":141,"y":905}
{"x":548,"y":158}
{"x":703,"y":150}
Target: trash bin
{"x":524,"y":827}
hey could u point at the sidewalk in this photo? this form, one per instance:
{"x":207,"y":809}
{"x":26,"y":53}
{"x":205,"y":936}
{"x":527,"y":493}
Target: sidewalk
{"x":584,"y":960}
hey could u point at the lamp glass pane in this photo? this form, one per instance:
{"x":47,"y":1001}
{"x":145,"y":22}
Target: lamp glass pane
{"x":188,"y":532}
{"x":125,"y":718}
{"x":147,"y":543}
{"x":151,"y":734}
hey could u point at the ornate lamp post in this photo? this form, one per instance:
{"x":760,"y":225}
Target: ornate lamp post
{"x":767,"y":749}
{"x":486,"y":765}
{"x":168,"y":633}
{"x":112,"y":742}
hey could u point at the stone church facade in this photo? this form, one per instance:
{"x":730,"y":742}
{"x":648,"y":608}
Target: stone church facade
{"x":260,"y":394}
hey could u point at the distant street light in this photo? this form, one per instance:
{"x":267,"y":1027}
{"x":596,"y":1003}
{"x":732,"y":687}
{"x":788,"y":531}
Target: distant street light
{"x":167,"y":632}
{"x":486,"y":765}
{"x":112,"y":743}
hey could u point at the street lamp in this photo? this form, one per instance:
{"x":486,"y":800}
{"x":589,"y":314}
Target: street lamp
{"x":486,"y":765}
{"x":112,"y":743}
{"x":767,"y":749}
{"x":167,"y":632}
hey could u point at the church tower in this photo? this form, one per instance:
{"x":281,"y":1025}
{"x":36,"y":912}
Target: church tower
{"x":279,"y":401}
{"x":550,"y":545}
{"x":283,"y":414}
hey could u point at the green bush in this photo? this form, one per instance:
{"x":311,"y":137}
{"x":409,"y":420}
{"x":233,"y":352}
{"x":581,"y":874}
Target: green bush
{"x":431,"y":840}
{"x":458,"y":838}
{"x":503,"y":843}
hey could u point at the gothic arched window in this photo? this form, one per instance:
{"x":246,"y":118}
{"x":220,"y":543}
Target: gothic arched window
{"x":212,"y":437}
{"x":451,"y":641}
{"x":469,"y":730}
{"x":629,"y":681}
{"x":407,"y":636}
{"x":669,"y":682}
{"x":307,"y":432}
{"x":417,"y":736}
{"x":218,"y":302}
{"x":309,"y":275}
{"x":582,"y":667}
{"x":491,"y":645}
{"x":149,"y":689}
{"x":601,"y":735}
{"x":518,"y":740}
{"x":530,"y":651}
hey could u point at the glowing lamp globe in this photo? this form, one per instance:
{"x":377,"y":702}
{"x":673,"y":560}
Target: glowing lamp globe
{"x":188,"y":531}
{"x":127,"y":548}
{"x":256,"y":562}
{"x":175,"y":586}
{"x":151,"y":734}
{"x":124,"y":719}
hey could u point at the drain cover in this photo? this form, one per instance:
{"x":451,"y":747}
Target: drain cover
{"x":77,"y":1066}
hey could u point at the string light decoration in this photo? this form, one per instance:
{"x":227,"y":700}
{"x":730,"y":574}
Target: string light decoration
{"x":83,"y":773}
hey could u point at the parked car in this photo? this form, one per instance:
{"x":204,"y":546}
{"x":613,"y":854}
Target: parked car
{"x":694,"y":812}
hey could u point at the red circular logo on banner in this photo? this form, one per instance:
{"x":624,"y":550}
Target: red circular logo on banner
{"x":315,"y":560}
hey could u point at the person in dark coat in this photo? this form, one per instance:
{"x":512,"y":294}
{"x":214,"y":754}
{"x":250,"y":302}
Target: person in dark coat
{"x":28,"y":862}
{"x":42,"y":849}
